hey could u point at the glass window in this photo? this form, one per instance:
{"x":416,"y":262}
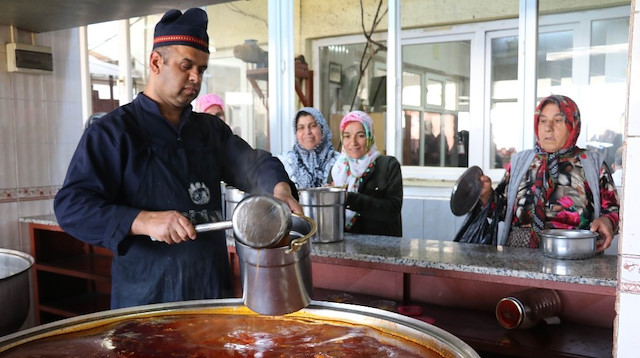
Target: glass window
{"x":350,"y":80}
{"x":503,"y":101}
{"x":103,"y":41}
{"x":588,"y":66}
{"x":440,"y":72}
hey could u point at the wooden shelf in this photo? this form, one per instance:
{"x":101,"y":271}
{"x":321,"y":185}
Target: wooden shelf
{"x":90,"y":266}
{"x":70,"y":277}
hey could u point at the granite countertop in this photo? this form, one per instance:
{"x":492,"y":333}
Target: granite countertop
{"x":524,"y":263}
{"x":511,"y":262}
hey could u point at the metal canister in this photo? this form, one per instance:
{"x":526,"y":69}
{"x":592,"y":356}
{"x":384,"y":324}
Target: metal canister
{"x":325,"y":205}
{"x":525,"y":309}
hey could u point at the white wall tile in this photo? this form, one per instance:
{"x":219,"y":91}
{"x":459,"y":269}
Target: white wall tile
{"x":60,"y":157}
{"x":630,"y":230}
{"x":439,"y":221}
{"x":65,"y":122}
{"x":633,"y":128}
{"x":9,"y":235}
{"x":6,"y":90}
{"x":44,"y":39}
{"x":412,"y":214}
{"x":628,"y":344}
{"x":27,"y":86}
{"x":69,"y":88}
{"x":30,"y":121}
{"x":33,"y":164}
{"x":8,"y":176}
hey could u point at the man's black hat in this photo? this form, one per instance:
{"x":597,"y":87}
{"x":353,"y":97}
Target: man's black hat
{"x":188,"y":29}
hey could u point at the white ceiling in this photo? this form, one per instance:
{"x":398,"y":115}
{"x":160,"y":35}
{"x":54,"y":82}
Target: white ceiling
{"x":50,"y":15}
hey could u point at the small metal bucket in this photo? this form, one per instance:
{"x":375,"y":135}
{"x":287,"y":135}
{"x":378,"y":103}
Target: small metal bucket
{"x":325,"y":205}
{"x":277,"y":281}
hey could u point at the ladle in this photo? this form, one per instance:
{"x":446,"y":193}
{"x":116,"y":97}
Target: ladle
{"x":258,"y":221}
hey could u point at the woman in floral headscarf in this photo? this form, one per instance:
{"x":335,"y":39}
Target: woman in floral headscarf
{"x":309,"y":162}
{"x":373,"y":181}
{"x":557,"y":184}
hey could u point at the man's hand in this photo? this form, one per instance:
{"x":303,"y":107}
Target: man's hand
{"x":167,"y":226}
{"x":604,"y":227}
{"x":282,"y":191}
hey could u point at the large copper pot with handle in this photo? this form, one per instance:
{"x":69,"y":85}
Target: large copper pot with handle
{"x":227,"y":328}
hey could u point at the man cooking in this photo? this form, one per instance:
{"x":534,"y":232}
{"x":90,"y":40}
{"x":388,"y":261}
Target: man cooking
{"x":146,"y":173}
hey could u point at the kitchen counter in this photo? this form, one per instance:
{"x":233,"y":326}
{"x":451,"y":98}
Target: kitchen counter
{"x":457,"y":285}
{"x":423,"y":255}
{"x":418,"y":254}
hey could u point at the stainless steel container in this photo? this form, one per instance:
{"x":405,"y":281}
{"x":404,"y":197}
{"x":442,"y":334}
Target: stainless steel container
{"x":232,"y":196}
{"x":568,"y":244}
{"x":325,"y":205}
{"x":439,"y":341}
{"x":14,"y":289}
{"x":277,"y":281}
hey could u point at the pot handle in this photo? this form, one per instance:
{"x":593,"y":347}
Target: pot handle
{"x":221,"y":225}
{"x":296,"y":244}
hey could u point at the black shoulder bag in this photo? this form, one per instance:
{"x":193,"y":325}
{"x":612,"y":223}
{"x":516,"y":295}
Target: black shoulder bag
{"x":480,"y":227}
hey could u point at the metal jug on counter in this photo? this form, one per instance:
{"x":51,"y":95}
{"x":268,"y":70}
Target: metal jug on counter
{"x":325,"y":205}
{"x":273,"y":247}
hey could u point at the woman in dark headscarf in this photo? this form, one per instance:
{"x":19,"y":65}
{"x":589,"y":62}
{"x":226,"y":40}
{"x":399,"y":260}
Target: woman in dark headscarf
{"x":557,"y":184}
{"x":309,"y":162}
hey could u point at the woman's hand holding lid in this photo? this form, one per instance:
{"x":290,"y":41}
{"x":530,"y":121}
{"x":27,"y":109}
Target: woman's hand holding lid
{"x":487,"y":190}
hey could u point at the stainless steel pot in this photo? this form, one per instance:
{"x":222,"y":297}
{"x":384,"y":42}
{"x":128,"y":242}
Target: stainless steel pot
{"x":277,"y":281}
{"x":389,"y":323}
{"x":325,"y":205}
{"x":568,"y":244}
{"x":14,"y":289}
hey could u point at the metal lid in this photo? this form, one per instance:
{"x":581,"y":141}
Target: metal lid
{"x":261,"y":221}
{"x":466,"y":191}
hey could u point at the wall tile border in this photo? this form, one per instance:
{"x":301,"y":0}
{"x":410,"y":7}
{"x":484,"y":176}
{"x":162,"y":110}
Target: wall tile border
{"x":10,"y":195}
{"x":629,"y":275}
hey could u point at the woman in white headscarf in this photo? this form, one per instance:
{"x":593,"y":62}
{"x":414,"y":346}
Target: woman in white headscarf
{"x":309,"y":162}
{"x":373,"y":181}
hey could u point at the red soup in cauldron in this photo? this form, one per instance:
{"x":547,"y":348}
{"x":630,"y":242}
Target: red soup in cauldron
{"x":224,"y":335}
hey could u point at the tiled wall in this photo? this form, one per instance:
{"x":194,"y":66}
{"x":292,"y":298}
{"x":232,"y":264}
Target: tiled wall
{"x":626,"y":343}
{"x":40,"y":124}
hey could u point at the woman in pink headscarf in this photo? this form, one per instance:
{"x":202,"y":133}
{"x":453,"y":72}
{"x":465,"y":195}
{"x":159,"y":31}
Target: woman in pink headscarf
{"x":373,"y":181}
{"x":557,"y":184}
{"x":212,"y":104}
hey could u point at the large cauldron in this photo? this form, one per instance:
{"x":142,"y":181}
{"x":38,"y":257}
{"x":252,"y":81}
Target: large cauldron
{"x":14,"y":289}
{"x":437,"y":340}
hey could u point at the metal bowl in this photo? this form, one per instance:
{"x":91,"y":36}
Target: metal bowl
{"x":568,"y":244}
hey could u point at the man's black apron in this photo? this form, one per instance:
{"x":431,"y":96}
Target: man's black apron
{"x":178,"y":177}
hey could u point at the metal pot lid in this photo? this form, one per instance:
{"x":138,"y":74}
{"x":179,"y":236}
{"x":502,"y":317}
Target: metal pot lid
{"x":466,"y":191}
{"x":261,"y":221}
